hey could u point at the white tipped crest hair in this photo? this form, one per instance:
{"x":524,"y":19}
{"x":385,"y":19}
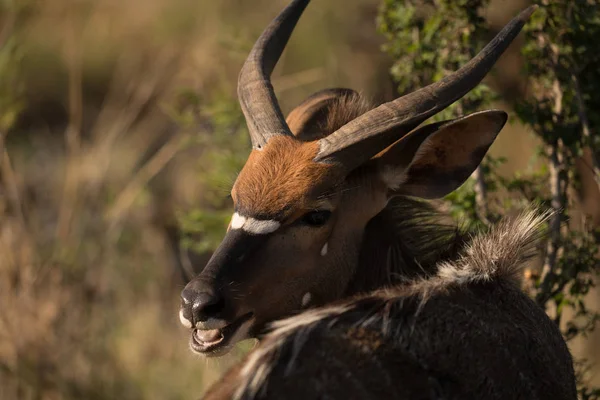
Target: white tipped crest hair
{"x":501,"y":253}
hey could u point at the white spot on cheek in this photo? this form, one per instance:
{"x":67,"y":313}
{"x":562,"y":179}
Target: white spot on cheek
{"x":237,"y":221}
{"x":306,"y":299}
{"x":324,"y":250}
{"x":184,"y":321}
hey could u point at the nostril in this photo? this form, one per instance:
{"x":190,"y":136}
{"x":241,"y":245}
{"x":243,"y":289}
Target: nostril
{"x":213,"y":309}
{"x":203,"y":300}
{"x":206,"y":305}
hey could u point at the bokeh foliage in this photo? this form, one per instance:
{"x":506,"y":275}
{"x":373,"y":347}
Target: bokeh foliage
{"x":120,"y":126}
{"x":429,"y":38}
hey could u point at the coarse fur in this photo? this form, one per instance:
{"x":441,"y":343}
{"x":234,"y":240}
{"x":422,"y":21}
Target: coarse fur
{"x":279,"y":180}
{"x":500,"y":254}
{"x":343,"y":110}
{"x":389,"y":337}
{"x":392,"y":251}
{"x":325,"y":112}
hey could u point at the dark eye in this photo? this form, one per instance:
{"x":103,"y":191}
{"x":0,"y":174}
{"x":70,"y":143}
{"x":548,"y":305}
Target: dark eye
{"x":316,"y":218}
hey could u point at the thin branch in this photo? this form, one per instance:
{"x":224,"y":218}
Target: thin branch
{"x":557,"y":203}
{"x":555,"y":153}
{"x":10,"y":180}
{"x":299,"y":79}
{"x":72,"y":133}
{"x":585,"y":127}
{"x":117,"y":115}
{"x":481,"y":201}
{"x":127,"y":197}
{"x":6,"y":170}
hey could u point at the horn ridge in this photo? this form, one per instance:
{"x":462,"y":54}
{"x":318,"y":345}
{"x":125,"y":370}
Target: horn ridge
{"x":255,"y":91}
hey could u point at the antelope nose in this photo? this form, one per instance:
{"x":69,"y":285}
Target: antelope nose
{"x":199,"y":305}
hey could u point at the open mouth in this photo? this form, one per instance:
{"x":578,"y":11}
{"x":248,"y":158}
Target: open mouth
{"x":216,"y":342}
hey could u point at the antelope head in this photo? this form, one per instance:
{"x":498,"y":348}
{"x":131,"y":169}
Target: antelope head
{"x":312,"y":183}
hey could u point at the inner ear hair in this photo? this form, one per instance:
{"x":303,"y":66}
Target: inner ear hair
{"x":436,"y":159}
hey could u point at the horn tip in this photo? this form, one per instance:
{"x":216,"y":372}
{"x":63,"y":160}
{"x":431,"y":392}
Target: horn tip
{"x":526,"y":13}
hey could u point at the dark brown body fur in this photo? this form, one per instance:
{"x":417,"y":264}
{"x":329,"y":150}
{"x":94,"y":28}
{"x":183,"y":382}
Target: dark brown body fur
{"x":498,"y":352}
{"x":442,"y":318}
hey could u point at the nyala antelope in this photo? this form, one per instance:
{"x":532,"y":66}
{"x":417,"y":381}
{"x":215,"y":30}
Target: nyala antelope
{"x":329,"y":232}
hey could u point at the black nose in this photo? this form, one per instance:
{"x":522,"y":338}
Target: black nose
{"x":200,"y":304}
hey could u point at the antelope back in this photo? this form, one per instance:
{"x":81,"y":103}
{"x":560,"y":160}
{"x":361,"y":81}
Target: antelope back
{"x":468,"y":332}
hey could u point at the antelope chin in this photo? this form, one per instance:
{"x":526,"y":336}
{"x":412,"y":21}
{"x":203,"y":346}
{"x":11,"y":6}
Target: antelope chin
{"x":218,"y":342}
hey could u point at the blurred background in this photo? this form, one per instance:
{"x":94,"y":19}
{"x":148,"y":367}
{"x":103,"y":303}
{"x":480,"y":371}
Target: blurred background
{"x":120,"y":136}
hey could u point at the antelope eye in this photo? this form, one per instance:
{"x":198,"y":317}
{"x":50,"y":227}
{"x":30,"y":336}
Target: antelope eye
{"x":316,"y":218}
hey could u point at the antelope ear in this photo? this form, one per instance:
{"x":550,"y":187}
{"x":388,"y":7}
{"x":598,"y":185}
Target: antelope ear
{"x":436,"y":159}
{"x":309,"y":121}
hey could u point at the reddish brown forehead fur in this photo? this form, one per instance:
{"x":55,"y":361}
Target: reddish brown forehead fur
{"x":280,"y":179}
{"x":283,"y":179}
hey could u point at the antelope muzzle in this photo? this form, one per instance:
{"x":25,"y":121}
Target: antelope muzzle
{"x":216,"y":305}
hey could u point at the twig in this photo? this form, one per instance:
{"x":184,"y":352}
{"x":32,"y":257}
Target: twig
{"x":298,"y":79}
{"x":481,"y":202}
{"x":6,"y":170}
{"x":558,"y":187}
{"x":585,"y":127}
{"x":12,"y":188}
{"x":127,"y":197}
{"x":72,"y":134}
{"x":557,"y":203}
{"x":118,"y":116}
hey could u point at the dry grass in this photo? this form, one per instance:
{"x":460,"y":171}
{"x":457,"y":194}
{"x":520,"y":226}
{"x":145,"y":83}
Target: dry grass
{"x":88,"y":287}
{"x":95,"y":169}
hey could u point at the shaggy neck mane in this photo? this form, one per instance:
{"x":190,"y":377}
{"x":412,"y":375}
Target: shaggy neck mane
{"x":404,"y":242}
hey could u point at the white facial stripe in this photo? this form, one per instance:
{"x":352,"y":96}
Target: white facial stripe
{"x":254,"y":226}
{"x":260,"y":227}
{"x":184,"y":321}
{"x":237,"y":221}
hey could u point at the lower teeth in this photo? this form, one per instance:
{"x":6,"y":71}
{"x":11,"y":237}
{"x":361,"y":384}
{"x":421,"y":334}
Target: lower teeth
{"x":208,"y":337}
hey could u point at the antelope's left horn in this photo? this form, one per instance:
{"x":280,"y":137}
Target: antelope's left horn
{"x":255,"y":91}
